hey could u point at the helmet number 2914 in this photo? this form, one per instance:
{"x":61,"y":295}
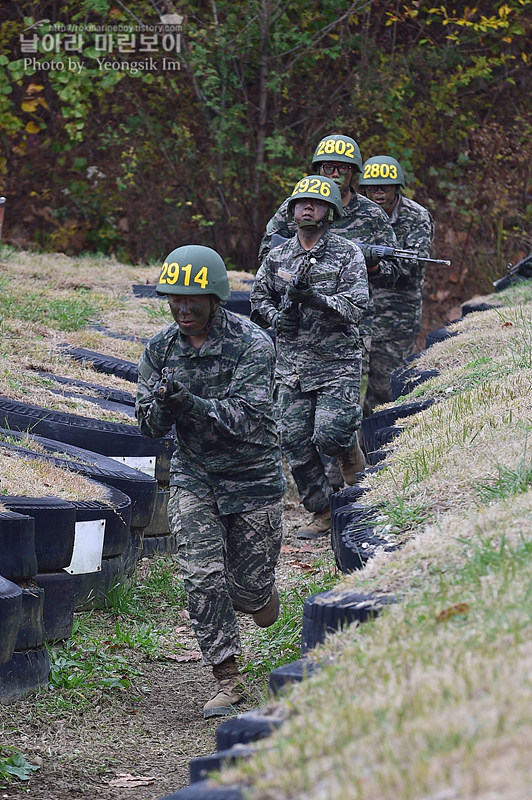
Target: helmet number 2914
{"x":171,"y":272}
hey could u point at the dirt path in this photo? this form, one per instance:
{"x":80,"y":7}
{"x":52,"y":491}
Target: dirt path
{"x":137,"y":746}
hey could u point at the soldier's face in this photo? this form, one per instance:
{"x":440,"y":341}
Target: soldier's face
{"x":385,"y":196}
{"x":341,"y":174}
{"x":308,"y":211}
{"x":190,"y":311}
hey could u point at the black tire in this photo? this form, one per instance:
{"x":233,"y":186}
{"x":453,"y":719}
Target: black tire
{"x":295,"y":672}
{"x":25,"y":673}
{"x":58,"y":607}
{"x":113,"y":439}
{"x":439,"y":335}
{"x":328,"y":612}
{"x":18,"y":558}
{"x":353,"y":538}
{"x":138,"y":486}
{"x":92,"y":589}
{"x":31,"y":633}
{"x":403,"y":381}
{"x":350,"y":494}
{"x":384,"y":436}
{"x":115,"y":509}
{"x":388,"y":416}
{"x":101,"y":362}
{"x":10,"y":617}
{"x":206,"y":790}
{"x":116,"y":395}
{"x":126,"y":337}
{"x":472,"y":307}
{"x":159,"y":546}
{"x":199,"y":768}
{"x":55,"y":528}
{"x":159,"y":525}
{"x":245,"y":728}
{"x":102,"y":402}
{"x":374,"y":457}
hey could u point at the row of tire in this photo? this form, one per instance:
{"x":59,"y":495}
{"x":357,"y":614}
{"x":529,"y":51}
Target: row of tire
{"x":59,"y":556}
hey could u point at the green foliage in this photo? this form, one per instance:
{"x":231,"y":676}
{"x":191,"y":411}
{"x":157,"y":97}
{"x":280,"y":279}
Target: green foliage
{"x":14,"y":765}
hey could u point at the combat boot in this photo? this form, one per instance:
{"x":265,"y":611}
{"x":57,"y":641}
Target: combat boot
{"x":351,"y":462}
{"x":229,"y":692}
{"x":320,"y":525}
{"x":267,"y":615}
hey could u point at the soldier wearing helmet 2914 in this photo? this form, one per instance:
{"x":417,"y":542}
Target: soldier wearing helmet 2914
{"x":211,"y":374}
{"x":397,"y":318}
{"x":313,"y":291}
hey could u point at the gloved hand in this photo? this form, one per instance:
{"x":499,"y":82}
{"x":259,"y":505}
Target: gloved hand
{"x":300,"y":288}
{"x":287,"y":322}
{"x":181,"y":399}
{"x":371,"y":254}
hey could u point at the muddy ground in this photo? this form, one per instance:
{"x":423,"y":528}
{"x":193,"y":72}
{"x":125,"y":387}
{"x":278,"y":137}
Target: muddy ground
{"x":137,"y":746}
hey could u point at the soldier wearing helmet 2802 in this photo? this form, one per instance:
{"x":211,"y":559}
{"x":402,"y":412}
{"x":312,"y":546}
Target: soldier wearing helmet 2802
{"x":397,"y":319}
{"x":313,"y":290}
{"x":210,"y":373}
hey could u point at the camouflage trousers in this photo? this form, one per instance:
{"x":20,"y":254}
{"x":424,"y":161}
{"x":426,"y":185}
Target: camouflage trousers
{"x":322,"y":421}
{"x":386,"y":355}
{"x":223,"y":559}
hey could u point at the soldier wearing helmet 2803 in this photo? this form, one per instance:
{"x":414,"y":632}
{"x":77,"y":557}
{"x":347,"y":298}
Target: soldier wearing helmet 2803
{"x":211,"y":374}
{"x":397,"y":319}
{"x":313,"y":291}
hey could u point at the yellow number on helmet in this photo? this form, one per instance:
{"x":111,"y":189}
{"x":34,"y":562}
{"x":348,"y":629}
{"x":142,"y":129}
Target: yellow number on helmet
{"x":172,"y":272}
{"x":330,"y":145}
{"x":314,"y":185}
{"x":385,"y":171}
{"x":202,"y":277}
{"x":325,"y":189}
{"x":367,"y":170}
{"x":375,"y":170}
{"x":393,"y":171}
{"x":340,"y":147}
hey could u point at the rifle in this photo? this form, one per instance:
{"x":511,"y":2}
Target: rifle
{"x":523,"y":269}
{"x":377,"y":251}
{"x":163,"y":387}
{"x":298,"y":280}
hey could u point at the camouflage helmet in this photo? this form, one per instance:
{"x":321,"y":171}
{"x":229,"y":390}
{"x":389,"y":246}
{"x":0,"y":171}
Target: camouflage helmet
{"x":194,"y":269}
{"x":337,"y":147}
{"x":317,"y":187}
{"x":382,"y":170}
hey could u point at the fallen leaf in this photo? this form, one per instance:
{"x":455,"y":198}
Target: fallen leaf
{"x":304,"y":567}
{"x":453,"y":611}
{"x":181,"y":629}
{"x":287,"y":548}
{"x":124,"y":780}
{"x":507,"y":325}
{"x":191,"y":655}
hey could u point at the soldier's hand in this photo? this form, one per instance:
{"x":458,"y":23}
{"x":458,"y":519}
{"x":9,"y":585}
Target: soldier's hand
{"x":299,"y":289}
{"x":181,"y":399}
{"x":286,"y":322}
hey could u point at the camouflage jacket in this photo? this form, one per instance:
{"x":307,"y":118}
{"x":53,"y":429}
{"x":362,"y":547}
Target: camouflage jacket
{"x":363,"y":222}
{"x":400,"y":308}
{"x":327,"y":344}
{"x":228,"y":442}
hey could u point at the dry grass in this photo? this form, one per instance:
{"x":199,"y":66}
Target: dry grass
{"x":21,"y":476}
{"x":431,"y":699}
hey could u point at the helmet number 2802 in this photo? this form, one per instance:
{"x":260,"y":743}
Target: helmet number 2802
{"x":380,"y":171}
{"x":338,"y":146}
{"x":170,"y":274}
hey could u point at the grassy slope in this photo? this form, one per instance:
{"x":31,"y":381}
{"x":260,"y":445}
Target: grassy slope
{"x":432,"y":699}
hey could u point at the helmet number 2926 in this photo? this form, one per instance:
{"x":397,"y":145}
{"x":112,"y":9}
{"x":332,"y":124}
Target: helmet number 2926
{"x":313,"y":186}
{"x":171,"y":274}
{"x":338,"y":146}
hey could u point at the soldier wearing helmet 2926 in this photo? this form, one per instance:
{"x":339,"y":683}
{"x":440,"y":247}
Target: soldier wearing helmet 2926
{"x":313,"y":291}
{"x":211,"y":374}
{"x":397,"y":318}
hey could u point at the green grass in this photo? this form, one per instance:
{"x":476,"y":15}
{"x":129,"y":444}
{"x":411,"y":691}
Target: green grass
{"x":70,"y":314}
{"x":14,"y":767}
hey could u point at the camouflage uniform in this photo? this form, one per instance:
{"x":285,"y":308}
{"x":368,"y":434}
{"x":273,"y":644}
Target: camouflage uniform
{"x":226,"y":474}
{"x":397,"y":319}
{"x":318,"y":369}
{"x":363,"y":222}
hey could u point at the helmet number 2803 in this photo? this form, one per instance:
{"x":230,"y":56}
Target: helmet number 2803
{"x":380,"y":171}
{"x":171,"y":273}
